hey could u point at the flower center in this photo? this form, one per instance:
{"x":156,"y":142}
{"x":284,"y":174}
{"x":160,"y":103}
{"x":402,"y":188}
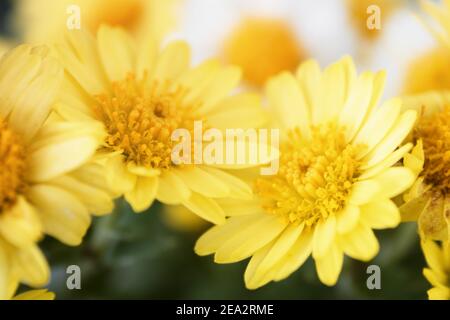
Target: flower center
{"x":315,"y":176}
{"x":434,"y":130}
{"x":12,"y":166}
{"x":263,"y":48}
{"x":140,"y":120}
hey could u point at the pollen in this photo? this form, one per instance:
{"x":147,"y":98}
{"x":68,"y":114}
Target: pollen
{"x":434,"y":130}
{"x":12,"y":166}
{"x":140,"y":119}
{"x":315,"y":176}
{"x":262,"y":48}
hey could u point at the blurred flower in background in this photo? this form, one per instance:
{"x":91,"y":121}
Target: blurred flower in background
{"x":38,"y":21}
{"x":263,"y":47}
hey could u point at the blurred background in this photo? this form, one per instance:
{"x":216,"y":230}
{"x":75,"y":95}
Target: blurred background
{"x":150,"y":255}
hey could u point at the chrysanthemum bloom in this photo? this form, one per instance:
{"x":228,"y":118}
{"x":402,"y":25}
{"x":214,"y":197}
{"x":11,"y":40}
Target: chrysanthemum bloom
{"x":438,"y":271}
{"x":140,"y":17}
{"x":263,"y":47}
{"x":428,"y":72}
{"x":359,"y":14}
{"x":427,"y":200}
{"x":335,"y":181}
{"x":42,"y":186}
{"x":38,"y":294}
{"x":141,"y":96}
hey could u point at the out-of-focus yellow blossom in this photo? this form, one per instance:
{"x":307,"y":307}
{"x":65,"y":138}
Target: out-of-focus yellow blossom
{"x":42,"y":188}
{"x":438,"y":271}
{"x":428,"y":72}
{"x":263,"y":47}
{"x":141,"y":94}
{"x":46,"y":20}
{"x":337,"y":175}
{"x":428,"y":199}
{"x":359,"y":15}
{"x":441,"y":14}
{"x":183,"y":219}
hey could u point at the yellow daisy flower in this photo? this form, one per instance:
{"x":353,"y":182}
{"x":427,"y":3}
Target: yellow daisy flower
{"x":430,"y":71}
{"x":427,"y":200}
{"x":438,"y":271}
{"x":141,"y":96}
{"x":263,"y":47}
{"x":41,"y":184}
{"x":140,"y":17}
{"x":358,"y":14}
{"x":335,"y":179}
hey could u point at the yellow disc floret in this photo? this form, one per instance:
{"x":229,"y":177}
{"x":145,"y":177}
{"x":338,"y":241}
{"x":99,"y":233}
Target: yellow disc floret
{"x":315,"y":176}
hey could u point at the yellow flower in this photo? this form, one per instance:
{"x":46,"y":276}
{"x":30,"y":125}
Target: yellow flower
{"x":263,"y":47}
{"x":141,"y":17}
{"x":430,"y":71}
{"x":428,"y":199}
{"x":358,"y":14}
{"x":441,"y":14}
{"x":438,"y":273}
{"x":41,"y":185}
{"x":142,"y":95}
{"x":335,"y":179}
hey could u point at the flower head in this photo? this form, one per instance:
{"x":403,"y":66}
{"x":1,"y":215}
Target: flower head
{"x":263,"y":47}
{"x":427,"y":200}
{"x":141,"y":95}
{"x":438,"y":271}
{"x":428,"y":72}
{"x":140,"y":17}
{"x":42,"y":190}
{"x":337,"y":175}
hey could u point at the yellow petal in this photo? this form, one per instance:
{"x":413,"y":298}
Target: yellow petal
{"x":238,"y":188}
{"x":288,"y":103}
{"x":173,"y":60}
{"x":200,"y":181}
{"x":359,"y":243}
{"x":280,"y":247}
{"x":116,"y":51}
{"x":363,"y":192}
{"x":347,"y":219}
{"x":329,"y":266}
{"x":41,"y":294}
{"x":392,"y":140}
{"x":63,"y":216}
{"x":394,"y":181}
{"x":216,"y":236}
{"x":296,"y":256}
{"x":31,"y":266}
{"x":143,"y":194}
{"x":119,"y":179}
{"x":248,"y":240}
{"x":205,"y":208}
{"x":324,"y":234}
{"x":20,"y":225}
{"x":60,"y":148}
{"x":96,"y":200}
{"x":380,"y":214}
{"x":171,"y":189}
